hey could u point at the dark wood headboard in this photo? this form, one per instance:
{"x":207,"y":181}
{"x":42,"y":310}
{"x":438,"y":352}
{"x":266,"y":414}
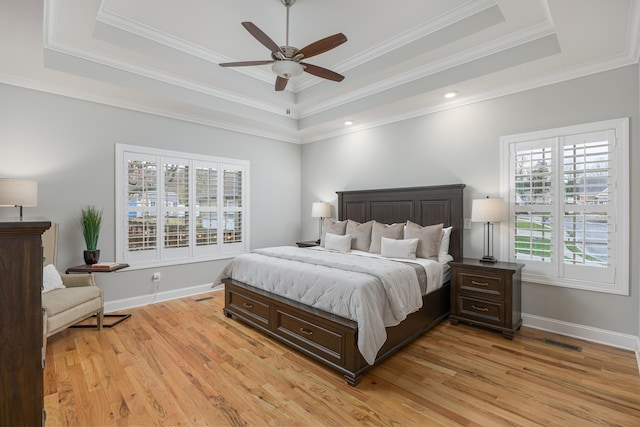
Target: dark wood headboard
{"x":422,"y":205}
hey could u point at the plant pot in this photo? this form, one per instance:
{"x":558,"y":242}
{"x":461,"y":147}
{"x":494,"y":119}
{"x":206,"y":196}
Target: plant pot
{"x":91,"y":257}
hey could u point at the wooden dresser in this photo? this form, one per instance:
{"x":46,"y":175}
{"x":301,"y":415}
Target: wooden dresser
{"x":487,"y":294}
{"x":21,"y":352}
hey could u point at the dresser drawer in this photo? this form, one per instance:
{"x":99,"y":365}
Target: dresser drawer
{"x":250,"y":307}
{"x":307,"y":334}
{"x":480,"y":310}
{"x":486,"y":285}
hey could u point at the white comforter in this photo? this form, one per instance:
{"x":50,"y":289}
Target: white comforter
{"x":373,"y":291}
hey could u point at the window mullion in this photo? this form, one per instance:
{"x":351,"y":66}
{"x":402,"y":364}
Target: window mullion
{"x":560,"y":206}
{"x":191,"y":213}
{"x":160,"y":210}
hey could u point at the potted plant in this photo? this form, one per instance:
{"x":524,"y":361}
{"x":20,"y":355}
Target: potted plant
{"x":90,"y":221}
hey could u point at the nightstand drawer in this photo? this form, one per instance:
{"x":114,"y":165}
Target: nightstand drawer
{"x":484,"y":311}
{"x":485,"y":285}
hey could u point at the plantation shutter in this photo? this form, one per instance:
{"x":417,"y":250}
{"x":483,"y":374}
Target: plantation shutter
{"x":533,"y":209}
{"x":175,"y":207}
{"x":587,"y":206}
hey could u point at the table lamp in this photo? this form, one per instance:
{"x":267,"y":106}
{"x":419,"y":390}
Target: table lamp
{"x":320,"y":210}
{"x":488,"y":211}
{"x":18,"y":193}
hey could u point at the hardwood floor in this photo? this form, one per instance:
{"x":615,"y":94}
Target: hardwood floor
{"x":183,"y":363}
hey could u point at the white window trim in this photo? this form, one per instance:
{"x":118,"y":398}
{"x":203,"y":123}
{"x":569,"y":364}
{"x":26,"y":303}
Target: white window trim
{"x":621,"y":128}
{"x":122,"y":196}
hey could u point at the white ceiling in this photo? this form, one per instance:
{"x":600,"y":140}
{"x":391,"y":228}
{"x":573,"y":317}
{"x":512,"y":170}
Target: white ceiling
{"x":161,"y":56}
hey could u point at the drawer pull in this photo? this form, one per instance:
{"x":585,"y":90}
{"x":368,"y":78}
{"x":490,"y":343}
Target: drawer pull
{"x":480,"y":308}
{"x":306,"y":331}
{"x":473,"y":282}
{"x":246,"y":304}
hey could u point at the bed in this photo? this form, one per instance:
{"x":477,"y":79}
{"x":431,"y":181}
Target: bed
{"x":331,"y":339}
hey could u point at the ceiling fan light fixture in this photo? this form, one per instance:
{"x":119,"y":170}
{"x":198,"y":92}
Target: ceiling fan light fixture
{"x":286,"y":68}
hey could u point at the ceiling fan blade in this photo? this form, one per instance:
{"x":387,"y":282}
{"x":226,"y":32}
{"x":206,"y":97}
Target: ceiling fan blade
{"x":245,"y":63}
{"x":261,"y":37}
{"x":322,"y":45}
{"x":281,"y":83}
{"x":322,"y":72}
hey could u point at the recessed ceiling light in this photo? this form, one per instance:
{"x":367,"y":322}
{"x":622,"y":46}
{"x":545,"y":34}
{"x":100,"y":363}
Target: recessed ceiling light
{"x":451,"y":94}
{"x":348,"y":122}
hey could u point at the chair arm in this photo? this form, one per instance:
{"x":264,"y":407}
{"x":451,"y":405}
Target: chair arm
{"x":77,"y":280}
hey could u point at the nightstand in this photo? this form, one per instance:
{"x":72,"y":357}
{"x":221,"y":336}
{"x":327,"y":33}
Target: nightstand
{"x":307,"y":244}
{"x":487,"y":294}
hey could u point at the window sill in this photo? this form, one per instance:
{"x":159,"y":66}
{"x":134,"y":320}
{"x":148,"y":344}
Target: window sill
{"x":608,"y":288}
{"x":176,"y":262}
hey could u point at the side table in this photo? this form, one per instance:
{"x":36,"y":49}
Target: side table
{"x":487,"y":295}
{"x":85,"y":268}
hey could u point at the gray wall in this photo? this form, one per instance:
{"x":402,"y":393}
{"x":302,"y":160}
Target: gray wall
{"x":462,"y":145}
{"x":67,"y":145}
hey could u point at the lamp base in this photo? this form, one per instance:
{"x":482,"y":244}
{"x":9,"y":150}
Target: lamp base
{"x":488,"y":258}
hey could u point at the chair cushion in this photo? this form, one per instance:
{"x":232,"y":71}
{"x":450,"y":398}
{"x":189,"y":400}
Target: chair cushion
{"x":60,"y":300}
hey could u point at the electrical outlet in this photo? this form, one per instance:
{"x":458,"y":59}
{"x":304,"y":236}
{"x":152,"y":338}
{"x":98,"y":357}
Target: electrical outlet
{"x":467,"y":223}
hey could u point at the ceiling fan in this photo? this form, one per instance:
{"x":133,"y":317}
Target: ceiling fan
{"x":287,"y":59}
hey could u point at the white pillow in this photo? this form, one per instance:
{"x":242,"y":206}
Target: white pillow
{"x":337,"y":242}
{"x":444,"y":243}
{"x":392,"y":248}
{"x":51,"y":279}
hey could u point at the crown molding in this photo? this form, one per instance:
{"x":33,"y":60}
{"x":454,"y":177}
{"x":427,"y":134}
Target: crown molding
{"x":139,"y":29}
{"x":420,"y":31}
{"x":459,"y":59}
{"x":629,"y":57}
{"x":91,"y":96}
{"x":559,"y":77}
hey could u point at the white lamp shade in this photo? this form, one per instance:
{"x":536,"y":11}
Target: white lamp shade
{"x":320,"y":210}
{"x":18,"y":192}
{"x":488,"y":210}
{"x":287,"y":68}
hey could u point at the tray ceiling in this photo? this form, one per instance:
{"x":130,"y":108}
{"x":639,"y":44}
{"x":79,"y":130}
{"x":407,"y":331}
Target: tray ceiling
{"x":161,"y":56}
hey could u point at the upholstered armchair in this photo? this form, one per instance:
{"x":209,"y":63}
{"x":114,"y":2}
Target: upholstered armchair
{"x":79,"y":299}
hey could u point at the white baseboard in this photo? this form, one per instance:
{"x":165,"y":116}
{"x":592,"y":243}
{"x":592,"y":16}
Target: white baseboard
{"x":124,"y":304}
{"x":638,"y":353}
{"x":588,"y":333}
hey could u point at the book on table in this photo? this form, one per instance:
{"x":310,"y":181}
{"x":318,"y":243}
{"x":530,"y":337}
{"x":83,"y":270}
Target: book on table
{"x":105,"y":265}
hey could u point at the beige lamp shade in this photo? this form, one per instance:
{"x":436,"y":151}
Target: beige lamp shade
{"x":18,"y":192}
{"x":320,"y":210}
{"x":488,"y":210}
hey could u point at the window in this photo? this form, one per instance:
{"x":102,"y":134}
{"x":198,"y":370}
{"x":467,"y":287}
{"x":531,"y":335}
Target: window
{"x":174,"y":207}
{"x":568,"y":195}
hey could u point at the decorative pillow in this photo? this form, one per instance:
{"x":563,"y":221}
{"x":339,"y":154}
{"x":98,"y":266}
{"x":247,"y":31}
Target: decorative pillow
{"x":430,"y":238}
{"x":360,"y":233}
{"x":337,"y":242}
{"x":444,"y":243}
{"x":332,"y":226}
{"x":51,"y":279}
{"x":393,"y":248}
{"x":379,"y":230}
